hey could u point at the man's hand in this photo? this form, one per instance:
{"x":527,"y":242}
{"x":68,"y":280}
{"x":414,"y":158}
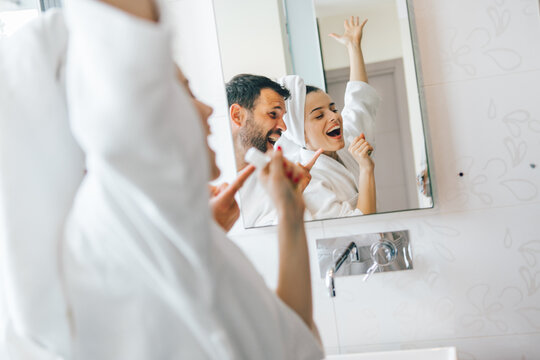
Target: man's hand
{"x":224,"y":207}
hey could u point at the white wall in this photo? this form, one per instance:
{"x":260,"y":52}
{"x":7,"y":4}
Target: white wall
{"x":475,"y":283}
{"x":304,"y":42}
{"x":381,"y":40}
{"x":250,"y":37}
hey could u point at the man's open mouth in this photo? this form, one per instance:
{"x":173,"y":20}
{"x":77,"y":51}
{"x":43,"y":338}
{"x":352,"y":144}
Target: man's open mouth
{"x":272,"y":139}
{"x":334,"y":132}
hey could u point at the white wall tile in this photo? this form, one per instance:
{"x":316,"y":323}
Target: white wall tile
{"x":462,"y":39}
{"x":523,"y":347}
{"x":489,"y":130}
{"x":323,"y":308}
{"x":479,"y":277}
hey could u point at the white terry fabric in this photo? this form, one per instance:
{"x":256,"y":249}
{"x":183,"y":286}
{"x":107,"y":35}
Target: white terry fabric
{"x":333,"y":189}
{"x":147,"y":273}
{"x":41,"y":167}
{"x":257,"y":207}
{"x":295,"y":105}
{"x":360,"y":106}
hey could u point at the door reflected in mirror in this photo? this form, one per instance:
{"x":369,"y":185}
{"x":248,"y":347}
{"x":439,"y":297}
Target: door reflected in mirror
{"x":333,"y":75}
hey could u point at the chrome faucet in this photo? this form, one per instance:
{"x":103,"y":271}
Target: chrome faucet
{"x":369,"y":253}
{"x":351,"y":250}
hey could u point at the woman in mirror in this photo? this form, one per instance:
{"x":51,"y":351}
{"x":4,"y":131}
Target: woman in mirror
{"x":343,"y":181}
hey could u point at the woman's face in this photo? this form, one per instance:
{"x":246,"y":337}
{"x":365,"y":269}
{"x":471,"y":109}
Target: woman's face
{"x":204,"y":112}
{"x":323,"y":125}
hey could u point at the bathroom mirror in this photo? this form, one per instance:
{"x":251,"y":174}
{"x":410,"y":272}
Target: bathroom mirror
{"x":275,"y":38}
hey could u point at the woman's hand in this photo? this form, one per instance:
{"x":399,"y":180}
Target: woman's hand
{"x":353,"y":32}
{"x":361,"y":150}
{"x":281,"y":178}
{"x":367,"y":198}
{"x":304,"y":182}
{"x":352,"y":39}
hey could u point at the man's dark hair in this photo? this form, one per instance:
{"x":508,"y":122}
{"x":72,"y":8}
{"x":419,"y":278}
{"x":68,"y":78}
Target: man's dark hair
{"x":244,"y":89}
{"x":310,"y":89}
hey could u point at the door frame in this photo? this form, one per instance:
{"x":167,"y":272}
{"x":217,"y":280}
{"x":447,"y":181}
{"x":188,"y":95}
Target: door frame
{"x":394,"y":68}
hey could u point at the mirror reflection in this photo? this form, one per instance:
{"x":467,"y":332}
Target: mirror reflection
{"x":358,"y":134}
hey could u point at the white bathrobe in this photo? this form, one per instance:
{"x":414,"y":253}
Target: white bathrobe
{"x":41,"y":167}
{"x":333,"y":190}
{"x":257,"y":207}
{"x":147,"y":273}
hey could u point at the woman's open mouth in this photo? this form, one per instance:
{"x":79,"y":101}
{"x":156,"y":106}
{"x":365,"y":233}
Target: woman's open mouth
{"x":334,"y":132}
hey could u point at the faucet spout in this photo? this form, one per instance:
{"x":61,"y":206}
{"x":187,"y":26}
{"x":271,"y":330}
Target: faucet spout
{"x":351,"y":250}
{"x":330,"y":282}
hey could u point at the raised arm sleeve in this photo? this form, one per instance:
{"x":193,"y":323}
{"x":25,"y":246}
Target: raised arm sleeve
{"x":360,"y":110}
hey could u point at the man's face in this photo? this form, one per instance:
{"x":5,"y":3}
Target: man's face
{"x":264,"y":123}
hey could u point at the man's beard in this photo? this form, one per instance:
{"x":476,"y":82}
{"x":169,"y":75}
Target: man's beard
{"x":252,"y":136}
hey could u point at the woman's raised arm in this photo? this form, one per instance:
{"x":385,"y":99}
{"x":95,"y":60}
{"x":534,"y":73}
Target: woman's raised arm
{"x":352,"y":39}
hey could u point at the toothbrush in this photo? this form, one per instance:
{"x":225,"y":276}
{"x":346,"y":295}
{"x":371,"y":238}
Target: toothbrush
{"x":256,"y":158}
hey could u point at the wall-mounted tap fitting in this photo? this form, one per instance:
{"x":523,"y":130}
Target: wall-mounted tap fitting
{"x":363,"y":254}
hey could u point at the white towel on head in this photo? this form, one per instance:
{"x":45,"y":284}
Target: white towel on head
{"x":41,"y":167}
{"x":294,"y":118}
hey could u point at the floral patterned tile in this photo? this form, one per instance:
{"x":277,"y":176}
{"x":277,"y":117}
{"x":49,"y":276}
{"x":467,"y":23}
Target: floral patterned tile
{"x":485,"y":137}
{"x":462,"y":40}
{"x":472,"y":276}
